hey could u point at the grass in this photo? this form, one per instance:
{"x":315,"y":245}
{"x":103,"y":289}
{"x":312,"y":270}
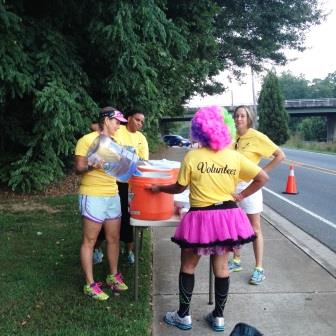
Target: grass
{"x":321,"y":147}
{"x":42,"y":281}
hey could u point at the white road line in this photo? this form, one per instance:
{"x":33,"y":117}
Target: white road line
{"x":307,"y":151}
{"x":333,"y":225}
{"x":309,"y":166}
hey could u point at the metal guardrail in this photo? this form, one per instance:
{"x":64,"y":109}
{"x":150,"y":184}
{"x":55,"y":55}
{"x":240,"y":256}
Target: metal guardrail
{"x":302,"y":103}
{"x":289,"y":104}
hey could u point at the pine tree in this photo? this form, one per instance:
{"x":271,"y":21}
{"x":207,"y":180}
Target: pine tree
{"x":273,"y":118}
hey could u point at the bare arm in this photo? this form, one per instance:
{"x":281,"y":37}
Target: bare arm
{"x":258,"y":182}
{"x":169,"y":189}
{"x":82,"y":165}
{"x":278,"y":156}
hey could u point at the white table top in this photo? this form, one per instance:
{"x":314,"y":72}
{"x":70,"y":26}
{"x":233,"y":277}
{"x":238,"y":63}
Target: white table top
{"x":171,"y":222}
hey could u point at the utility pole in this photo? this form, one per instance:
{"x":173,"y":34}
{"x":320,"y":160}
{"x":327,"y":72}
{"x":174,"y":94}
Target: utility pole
{"x":231,"y":91}
{"x":231,"y":99}
{"x":254,"y":99}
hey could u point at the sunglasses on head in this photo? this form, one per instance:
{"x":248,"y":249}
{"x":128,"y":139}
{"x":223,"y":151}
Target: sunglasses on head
{"x":110,"y":114}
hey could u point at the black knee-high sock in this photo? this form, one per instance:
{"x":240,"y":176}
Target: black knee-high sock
{"x":186,"y":287}
{"x":221,"y":294}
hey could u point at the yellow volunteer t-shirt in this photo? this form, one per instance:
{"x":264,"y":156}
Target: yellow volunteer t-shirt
{"x":137,"y":140}
{"x":255,"y":145}
{"x":95,"y":182}
{"x":213,"y":176}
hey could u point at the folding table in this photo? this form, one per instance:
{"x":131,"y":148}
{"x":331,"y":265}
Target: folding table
{"x":138,"y":226}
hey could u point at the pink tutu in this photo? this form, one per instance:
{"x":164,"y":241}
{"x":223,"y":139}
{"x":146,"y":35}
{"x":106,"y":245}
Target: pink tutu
{"x":214,"y":229}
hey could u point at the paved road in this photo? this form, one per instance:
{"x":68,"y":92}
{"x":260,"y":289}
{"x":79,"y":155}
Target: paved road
{"x":313,"y":209}
{"x":320,"y":160}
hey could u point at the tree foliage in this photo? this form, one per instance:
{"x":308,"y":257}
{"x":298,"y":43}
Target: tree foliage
{"x":313,"y":129}
{"x":60,"y":60}
{"x":293,"y":87}
{"x":273,"y":118}
{"x":252,"y":31}
{"x":297,"y":87}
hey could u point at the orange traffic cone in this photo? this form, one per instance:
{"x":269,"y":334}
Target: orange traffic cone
{"x":291,"y":185}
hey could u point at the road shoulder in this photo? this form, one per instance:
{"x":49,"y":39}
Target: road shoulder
{"x":325,"y":257}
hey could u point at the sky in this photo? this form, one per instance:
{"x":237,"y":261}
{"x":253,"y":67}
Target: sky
{"x":317,"y":61}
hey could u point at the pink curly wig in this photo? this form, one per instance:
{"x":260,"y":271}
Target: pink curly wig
{"x":209,"y":129}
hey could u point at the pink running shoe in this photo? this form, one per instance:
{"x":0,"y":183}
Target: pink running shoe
{"x":116,"y":282}
{"x":95,"y":291}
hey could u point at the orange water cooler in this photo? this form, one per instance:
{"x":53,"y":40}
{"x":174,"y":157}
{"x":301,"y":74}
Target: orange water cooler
{"x":147,"y":205}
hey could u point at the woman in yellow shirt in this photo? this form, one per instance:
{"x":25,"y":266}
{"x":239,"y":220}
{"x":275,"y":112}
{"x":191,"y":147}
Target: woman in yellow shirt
{"x":254,"y":145}
{"x":99,"y":205}
{"x":214,"y":224}
{"x":127,"y":135}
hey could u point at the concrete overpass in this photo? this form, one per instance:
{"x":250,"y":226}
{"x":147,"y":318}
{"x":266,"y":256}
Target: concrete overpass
{"x":324,"y":107}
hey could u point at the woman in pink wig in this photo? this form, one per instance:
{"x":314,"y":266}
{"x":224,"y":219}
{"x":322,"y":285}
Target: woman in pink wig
{"x":214,"y":225}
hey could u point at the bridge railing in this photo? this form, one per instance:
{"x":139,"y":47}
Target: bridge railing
{"x":322,"y":102}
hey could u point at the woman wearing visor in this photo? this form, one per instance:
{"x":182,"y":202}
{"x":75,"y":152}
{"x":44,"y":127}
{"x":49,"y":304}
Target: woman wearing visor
{"x":99,"y":205}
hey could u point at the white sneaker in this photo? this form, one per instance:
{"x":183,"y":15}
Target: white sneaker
{"x":172,"y":318}
{"x":97,"y":256}
{"x":216,"y":323}
{"x":257,"y":277}
{"x":130,"y":258}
